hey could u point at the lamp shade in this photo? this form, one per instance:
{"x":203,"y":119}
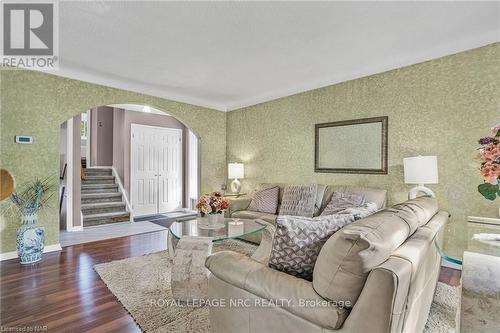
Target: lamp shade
{"x":421,"y":170}
{"x":235,"y":170}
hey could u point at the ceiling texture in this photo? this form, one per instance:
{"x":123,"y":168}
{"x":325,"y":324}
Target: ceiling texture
{"x":228,"y":55}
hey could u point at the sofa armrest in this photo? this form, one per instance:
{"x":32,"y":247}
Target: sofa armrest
{"x":293,"y":294}
{"x":238,"y":204}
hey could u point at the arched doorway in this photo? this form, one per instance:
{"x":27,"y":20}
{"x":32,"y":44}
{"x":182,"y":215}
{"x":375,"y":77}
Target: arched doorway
{"x":101,"y":162}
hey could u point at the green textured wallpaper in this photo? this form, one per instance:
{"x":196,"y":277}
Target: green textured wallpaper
{"x":36,"y":104}
{"x":440,"y":107}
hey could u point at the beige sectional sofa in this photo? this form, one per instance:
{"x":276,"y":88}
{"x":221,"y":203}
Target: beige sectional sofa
{"x":377,"y":274}
{"x":239,"y":206}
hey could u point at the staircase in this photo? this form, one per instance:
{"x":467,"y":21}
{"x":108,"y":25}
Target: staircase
{"x":102,"y":201}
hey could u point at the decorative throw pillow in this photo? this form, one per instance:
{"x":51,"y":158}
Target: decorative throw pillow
{"x":299,"y":200}
{"x":341,"y":201}
{"x":265,"y":200}
{"x":298,"y":241}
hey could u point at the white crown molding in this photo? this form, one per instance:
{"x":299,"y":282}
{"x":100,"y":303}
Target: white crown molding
{"x":109,"y":80}
{"x":46,"y":249}
{"x":398,"y":61}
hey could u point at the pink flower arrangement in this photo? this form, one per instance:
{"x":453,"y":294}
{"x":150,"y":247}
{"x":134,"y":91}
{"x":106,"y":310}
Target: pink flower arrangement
{"x":490,"y":164}
{"x":213,"y":203}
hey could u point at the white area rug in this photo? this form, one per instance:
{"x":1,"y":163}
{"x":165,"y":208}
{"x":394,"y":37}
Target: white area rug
{"x":442,"y":318}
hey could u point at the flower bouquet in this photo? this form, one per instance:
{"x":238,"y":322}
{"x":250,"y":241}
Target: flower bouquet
{"x":490,"y":164}
{"x":212,"y":204}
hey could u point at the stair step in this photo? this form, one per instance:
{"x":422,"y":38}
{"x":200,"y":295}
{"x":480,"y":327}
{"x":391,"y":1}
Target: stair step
{"x":98,"y":180}
{"x":99,"y":188}
{"x":101,"y":197}
{"x":105,"y":218}
{"x":103,"y":207}
{"x":99,"y":169}
{"x":101,"y":177}
{"x":98,"y":172}
{"x":92,"y":186}
{"x":90,"y":174}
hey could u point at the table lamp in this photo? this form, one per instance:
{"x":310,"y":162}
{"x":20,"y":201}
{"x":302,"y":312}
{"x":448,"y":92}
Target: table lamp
{"x":236,"y":171}
{"x":420,"y":170}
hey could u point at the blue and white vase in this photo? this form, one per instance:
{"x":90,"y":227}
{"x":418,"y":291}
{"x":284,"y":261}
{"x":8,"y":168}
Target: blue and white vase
{"x":30,"y":240}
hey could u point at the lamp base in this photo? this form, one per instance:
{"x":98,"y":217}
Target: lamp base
{"x":235,"y":186}
{"x":420,"y":188}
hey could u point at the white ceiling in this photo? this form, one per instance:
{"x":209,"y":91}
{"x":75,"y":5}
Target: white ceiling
{"x":227,"y":55}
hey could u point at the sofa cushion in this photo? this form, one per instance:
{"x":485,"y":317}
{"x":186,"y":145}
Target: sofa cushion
{"x":424,"y":208}
{"x":238,"y":204}
{"x":253,"y":277}
{"x":248,"y":214}
{"x":375,"y":195}
{"x":299,"y":200}
{"x":341,"y":201}
{"x":265,"y":200}
{"x":350,"y":254}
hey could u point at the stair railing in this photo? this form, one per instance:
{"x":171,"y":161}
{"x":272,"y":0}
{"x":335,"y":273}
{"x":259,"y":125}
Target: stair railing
{"x":64,"y":172}
{"x":82,"y":173}
{"x":61,"y":177}
{"x":61,"y":199}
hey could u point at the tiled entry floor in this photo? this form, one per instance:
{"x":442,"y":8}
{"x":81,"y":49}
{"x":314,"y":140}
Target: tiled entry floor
{"x":92,"y":234}
{"x":141,"y":225}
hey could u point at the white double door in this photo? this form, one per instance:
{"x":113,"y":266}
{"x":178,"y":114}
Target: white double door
{"x":156,"y":169}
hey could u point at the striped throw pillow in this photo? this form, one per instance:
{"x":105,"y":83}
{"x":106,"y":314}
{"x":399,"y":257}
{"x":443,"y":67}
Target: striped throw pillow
{"x":265,"y":200}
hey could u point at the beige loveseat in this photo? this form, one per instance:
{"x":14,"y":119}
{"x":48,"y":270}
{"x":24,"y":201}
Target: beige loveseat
{"x":377,"y":274}
{"x":239,"y":206}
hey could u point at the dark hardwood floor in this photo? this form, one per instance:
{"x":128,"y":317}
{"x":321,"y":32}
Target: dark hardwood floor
{"x":450,"y":276}
{"x":64,"y":294}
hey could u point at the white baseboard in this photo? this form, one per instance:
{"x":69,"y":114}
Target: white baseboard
{"x":77,"y":228}
{"x":13,"y":254}
{"x":448,"y":264}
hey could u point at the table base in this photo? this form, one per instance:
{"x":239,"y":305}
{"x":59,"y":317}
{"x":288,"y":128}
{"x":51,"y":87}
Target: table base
{"x":189,"y":278}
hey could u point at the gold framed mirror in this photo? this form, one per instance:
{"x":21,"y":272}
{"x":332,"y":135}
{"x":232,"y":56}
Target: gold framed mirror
{"x":352,"y":146}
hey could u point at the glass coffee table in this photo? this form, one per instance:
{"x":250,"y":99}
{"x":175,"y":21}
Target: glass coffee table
{"x":190,"y":243}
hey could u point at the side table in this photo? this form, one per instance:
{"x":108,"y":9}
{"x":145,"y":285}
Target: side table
{"x":480,"y":294}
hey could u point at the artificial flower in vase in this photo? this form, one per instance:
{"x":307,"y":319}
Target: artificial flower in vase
{"x":28,"y":202}
{"x":490,"y":165}
{"x":213,"y":205}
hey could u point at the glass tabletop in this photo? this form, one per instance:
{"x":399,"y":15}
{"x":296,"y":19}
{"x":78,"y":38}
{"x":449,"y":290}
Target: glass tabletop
{"x":230,"y":228}
{"x":482,"y":238}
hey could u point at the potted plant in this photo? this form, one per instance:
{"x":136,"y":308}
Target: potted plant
{"x":213,"y":205}
{"x":490,"y":164}
{"x":28,"y":202}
